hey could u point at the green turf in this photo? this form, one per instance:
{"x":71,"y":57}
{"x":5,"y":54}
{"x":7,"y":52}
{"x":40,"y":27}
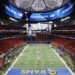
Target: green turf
{"x":39,"y":56}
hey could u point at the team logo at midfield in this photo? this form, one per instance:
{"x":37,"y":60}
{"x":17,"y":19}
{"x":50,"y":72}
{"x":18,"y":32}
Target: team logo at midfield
{"x":53,"y":72}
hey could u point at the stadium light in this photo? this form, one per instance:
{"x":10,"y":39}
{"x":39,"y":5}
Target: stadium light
{"x":65,"y":19}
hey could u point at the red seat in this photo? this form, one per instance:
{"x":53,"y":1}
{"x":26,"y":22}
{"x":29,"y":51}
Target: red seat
{"x":68,"y":44}
{"x":4,"y":47}
{"x":1,"y":62}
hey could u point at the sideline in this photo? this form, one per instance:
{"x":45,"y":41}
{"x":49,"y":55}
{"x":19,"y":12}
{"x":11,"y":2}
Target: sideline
{"x":63,"y":61}
{"x":16,"y":60}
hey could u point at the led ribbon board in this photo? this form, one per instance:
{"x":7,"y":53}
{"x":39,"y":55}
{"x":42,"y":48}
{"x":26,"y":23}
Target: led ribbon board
{"x":36,"y":17}
{"x":13,"y":12}
{"x":60,"y":13}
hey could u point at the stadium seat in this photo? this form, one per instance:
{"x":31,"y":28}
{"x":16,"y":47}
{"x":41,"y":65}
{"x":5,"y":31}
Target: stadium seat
{"x":1,"y":63}
{"x":68,"y":44}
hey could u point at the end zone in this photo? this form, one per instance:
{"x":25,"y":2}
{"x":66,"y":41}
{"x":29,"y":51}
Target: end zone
{"x":52,"y":71}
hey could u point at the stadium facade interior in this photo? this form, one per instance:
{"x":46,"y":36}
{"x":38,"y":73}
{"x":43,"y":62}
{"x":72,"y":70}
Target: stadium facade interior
{"x":37,"y":37}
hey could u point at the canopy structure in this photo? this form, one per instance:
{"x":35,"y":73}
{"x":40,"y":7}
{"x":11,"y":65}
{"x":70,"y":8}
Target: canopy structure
{"x":38,"y":5}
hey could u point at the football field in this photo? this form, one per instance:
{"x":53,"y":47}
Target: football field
{"x":38,"y":59}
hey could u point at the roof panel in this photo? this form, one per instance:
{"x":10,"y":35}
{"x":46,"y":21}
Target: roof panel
{"x":38,"y":5}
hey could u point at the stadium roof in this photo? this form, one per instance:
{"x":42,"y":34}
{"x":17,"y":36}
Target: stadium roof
{"x":38,"y":5}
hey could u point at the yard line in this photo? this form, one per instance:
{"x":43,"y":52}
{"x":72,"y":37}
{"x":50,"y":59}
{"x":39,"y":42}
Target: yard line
{"x":63,"y":62}
{"x":16,"y":60}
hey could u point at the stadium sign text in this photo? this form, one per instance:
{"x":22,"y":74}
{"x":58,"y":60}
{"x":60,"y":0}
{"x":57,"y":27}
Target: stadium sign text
{"x":39,"y":71}
{"x":34,"y":72}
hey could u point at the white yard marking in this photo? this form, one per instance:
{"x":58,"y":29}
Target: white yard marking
{"x":16,"y":60}
{"x":63,"y":62}
{"x":38,"y":58}
{"x":28,"y":59}
{"x":50,"y":59}
{"x":37,"y":52}
{"x":26,"y":62}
